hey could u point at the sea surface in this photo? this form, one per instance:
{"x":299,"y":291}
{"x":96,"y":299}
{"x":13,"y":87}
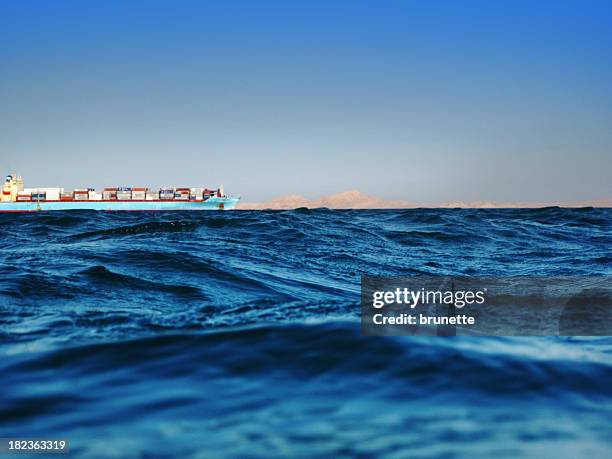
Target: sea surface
{"x":237,"y":334}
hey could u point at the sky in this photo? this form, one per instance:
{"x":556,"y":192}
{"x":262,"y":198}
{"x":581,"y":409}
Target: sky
{"x":428,"y":101}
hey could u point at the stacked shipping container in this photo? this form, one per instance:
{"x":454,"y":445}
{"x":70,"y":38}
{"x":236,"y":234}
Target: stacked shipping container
{"x":124,"y":194}
{"x":166,"y":193}
{"x":110,"y":194}
{"x":182,"y":194}
{"x":139,"y":194}
{"x":81,"y":194}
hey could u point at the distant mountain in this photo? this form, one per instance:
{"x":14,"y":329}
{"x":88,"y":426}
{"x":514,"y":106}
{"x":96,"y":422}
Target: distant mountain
{"x":355,"y":199}
{"x":347,"y":200}
{"x":527,"y":205}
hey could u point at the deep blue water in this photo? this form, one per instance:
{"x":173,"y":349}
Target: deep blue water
{"x":236,"y":334}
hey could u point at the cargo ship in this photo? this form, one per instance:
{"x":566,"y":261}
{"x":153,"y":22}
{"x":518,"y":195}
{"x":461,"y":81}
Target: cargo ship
{"x":16,"y":198}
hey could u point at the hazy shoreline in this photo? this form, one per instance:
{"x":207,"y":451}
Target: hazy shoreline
{"x":357,"y":200}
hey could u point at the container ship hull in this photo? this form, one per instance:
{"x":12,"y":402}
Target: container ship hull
{"x":213,"y":203}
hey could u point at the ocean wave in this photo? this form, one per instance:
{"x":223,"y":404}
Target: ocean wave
{"x":244,"y":379}
{"x":138,"y":335}
{"x":141,"y":228}
{"x":424,"y":365}
{"x":100,"y":275}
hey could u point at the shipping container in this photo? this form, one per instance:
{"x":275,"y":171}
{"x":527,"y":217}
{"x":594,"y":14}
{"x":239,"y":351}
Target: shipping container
{"x":43,"y":190}
{"x":166,"y":193}
{"x":81,"y":194}
{"x":124,"y":195}
{"x":196,"y":194}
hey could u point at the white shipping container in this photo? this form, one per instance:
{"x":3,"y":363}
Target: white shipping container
{"x":43,"y":190}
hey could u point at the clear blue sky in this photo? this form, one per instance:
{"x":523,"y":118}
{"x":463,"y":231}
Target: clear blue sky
{"x":426,"y":101}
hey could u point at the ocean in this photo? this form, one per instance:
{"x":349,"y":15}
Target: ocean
{"x":236,"y":334}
